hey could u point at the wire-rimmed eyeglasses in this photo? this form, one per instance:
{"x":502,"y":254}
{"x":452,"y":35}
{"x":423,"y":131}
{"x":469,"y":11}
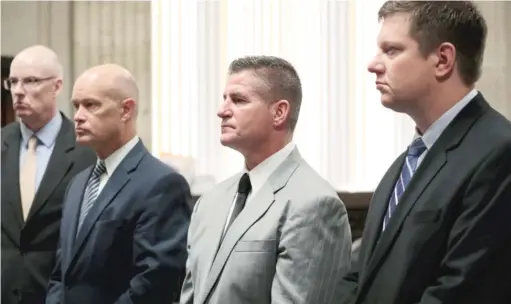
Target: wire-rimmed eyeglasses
{"x":27,"y":83}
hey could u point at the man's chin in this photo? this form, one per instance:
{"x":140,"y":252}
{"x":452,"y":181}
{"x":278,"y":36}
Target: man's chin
{"x":393,"y":105}
{"x":24,"y":114}
{"x":83,"y":140}
{"x":387,"y":101}
{"x":227,"y":141}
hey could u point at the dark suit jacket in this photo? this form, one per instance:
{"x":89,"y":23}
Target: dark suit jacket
{"x":132,"y":245}
{"x":28,"y":249}
{"x":449,"y":240}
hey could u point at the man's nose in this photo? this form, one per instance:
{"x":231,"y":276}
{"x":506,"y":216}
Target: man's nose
{"x":17,"y":88}
{"x":223,"y":110}
{"x":78,"y":117}
{"x":375,"y":66}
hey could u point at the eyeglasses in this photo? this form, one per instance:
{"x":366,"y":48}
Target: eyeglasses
{"x":28,"y":83}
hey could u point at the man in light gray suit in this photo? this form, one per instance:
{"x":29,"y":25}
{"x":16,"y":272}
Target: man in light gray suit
{"x":276,"y":232}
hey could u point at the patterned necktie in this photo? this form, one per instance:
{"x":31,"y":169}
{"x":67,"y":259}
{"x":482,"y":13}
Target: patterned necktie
{"x":244,"y":188}
{"x":410,"y":165}
{"x":28,"y":176}
{"x":91,"y":192}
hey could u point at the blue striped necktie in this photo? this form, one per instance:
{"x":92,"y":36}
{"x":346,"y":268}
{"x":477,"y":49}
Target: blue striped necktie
{"x":91,"y":192}
{"x":410,"y":165}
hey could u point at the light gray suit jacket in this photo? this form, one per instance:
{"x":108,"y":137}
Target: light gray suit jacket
{"x":291,"y":243}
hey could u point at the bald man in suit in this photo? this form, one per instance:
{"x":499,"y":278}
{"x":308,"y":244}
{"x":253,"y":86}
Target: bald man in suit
{"x":39,"y":158}
{"x":125,"y":219}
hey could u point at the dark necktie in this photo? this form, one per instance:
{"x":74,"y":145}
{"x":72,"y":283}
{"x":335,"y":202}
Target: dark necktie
{"x":91,"y":192}
{"x":244,"y":188}
{"x":410,"y":165}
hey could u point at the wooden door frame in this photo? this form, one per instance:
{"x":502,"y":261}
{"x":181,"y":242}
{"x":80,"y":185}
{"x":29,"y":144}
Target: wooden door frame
{"x":7,"y":112}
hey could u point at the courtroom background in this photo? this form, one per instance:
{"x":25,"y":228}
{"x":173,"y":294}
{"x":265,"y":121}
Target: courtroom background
{"x":179,"y":52}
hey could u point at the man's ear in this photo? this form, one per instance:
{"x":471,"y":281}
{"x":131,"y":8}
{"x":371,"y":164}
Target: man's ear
{"x":128,"y":107}
{"x":58,"y":86}
{"x":445,"y":59}
{"x":280,"y":113}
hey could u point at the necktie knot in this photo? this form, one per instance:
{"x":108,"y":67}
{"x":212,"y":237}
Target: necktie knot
{"x":100,"y":168}
{"x":416,"y":148}
{"x":32,"y":143}
{"x":244,"y":185}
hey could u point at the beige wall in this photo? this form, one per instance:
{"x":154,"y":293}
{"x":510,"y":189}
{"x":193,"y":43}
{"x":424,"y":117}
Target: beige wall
{"x":495,"y":82}
{"x":84,"y":34}
{"x":28,"y":23}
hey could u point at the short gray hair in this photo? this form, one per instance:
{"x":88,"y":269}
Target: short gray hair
{"x":280,"y":77}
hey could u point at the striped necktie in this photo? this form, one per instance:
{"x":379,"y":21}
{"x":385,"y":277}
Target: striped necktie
{"x":410,"y":165}
{"x":91,"y":192}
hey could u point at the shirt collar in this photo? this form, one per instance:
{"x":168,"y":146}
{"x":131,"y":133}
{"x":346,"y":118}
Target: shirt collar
{"x":113,"y":161}
{"x":260,"y":174}
{"x":47,"y":135}
{"x":435,"y":130}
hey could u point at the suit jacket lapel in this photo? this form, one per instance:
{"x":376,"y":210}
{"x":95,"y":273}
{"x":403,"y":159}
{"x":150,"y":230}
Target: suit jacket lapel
{"x":70,"y":215}
{"x":224,"y":207}
{"x":431,"y":165}
{"x":419,"y":182}
{"x":252,"y":213}
{"x":374,"y":223}
{"x":115,"y":184}
{"x":10,"y":183}
{"x":59,"y":164}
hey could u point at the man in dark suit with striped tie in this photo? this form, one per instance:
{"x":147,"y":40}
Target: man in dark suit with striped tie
{"x":438,"y":229}
{"x":125,"y":220}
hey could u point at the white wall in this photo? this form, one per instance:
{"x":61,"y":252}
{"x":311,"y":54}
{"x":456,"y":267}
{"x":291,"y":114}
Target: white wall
{"x":85,"y":33}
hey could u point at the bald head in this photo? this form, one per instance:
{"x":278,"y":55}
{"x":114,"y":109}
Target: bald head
{"x":112,"y":80}
{"x":105,"y":99}
{"x":35,"y":80}
{"x":40,"y":57}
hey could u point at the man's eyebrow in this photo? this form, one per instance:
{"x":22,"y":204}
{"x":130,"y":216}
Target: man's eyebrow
{"x":84,"y":100}
{"x":236,"y":95}
{"x":390,"y":43}
{"x":29,"y":77}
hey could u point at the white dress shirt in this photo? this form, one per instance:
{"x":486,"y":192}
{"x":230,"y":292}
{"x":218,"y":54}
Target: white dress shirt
{"x":260,"y":174}
{"x":113,"y":161}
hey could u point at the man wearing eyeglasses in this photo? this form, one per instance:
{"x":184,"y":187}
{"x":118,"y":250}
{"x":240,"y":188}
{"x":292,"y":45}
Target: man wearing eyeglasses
{"x":39,"y":157}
